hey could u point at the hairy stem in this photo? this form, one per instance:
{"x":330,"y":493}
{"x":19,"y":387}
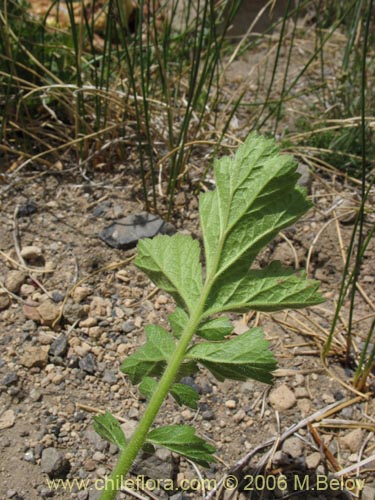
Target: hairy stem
{"x":113,"y":483}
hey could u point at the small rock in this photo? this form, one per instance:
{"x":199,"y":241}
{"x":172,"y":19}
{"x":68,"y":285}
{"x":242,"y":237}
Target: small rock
{"x":239,"y":416}
{"x":282,"y":398}
{"x":27,"y":209}
{"x":35,"y":395}
{"x":129,"y":428}
{"x":280,"y":458}
{"x":59,"y":346}
{"x":31,"y":253}
{"x":98,"y":456}
{"x":48,"y":312}
{"x":26,"y":290}
{"x":127,"y":326}
{"x":125,"y":233}
{"x":208,"y":415}
{"x":10,"y":378}
{"x":110,"y":377}
{"x":89,"y":322}
{"x":29,"y":456}
{"x":368,"y":493}
{"x":94,"y":438}
{"x":88,"y":363}
{"x":35,"y":357}
{"x":7,"y":419}
{"x":313,"y":460}
{"x":57,"y":296}
{"x":231,"y":404}
{"x":133,"y":413}
{"x":301,"y":392}
{"x":306,"y":178}
{"x":81,"y":293}
{"x":15,"y":280}
{"x":73,"y":312}
{"x":54,"y":464}
{"x":4,"y":301}
{"x":353,"y":440}
{"x":29,"y":326}
{"x":293,"y":447}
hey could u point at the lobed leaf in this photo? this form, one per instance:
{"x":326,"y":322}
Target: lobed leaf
{"x":270,"y":289}
{"x":181,"y":439}
{"x":255,"y":198}
{"x":173,"y":264}
{"x":185,"y":395}
{"x":245,"y":356}
{"x":108,"y":428}
{"x":151,"y":358}
{"x":212,"y":329}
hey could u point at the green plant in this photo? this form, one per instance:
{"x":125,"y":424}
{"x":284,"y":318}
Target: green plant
{"x":255,"y":197}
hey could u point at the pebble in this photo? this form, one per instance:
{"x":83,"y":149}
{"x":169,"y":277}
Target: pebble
{"x":126,"y":232}
{"x":89,"y":322}
{"x":73,"y":312}
{"x":110,"y":377}
{"x":31,"y":253}
{"x":81,"y":293}
{"x":7,"y":419}
{"x":99,"y":443}
{"x":59,"y":346}
{"x":129,"y":427}
{"x":368,"y":493}
{"x":313,"y":460}
{"x":301,"y":392}
{"x":48,"y":312}
{"x":231,"y":404}
{"x":4,"y":301}
{"x":282,"y":398}
{"x":26,"y":290}
{"x":29,"y":456}
{"x":35,"y":357}
{"x":98,"y":456}
{"x":127,"y":326}
{"x":88,"y":363}
{"x":353,"y":440}
{"x":293,"y":447}
{"x":10,"y":378}
{"x":14,"y":280}
{"x":54,"y":464}
{"x":239,"y":416}
{"x":35,"y":395}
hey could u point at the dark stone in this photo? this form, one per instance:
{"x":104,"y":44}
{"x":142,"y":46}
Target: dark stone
{"x":57,"y":296}
{"x":10,"y":378}
{"x":88,"y":363}
{"x":54,"y":464}
{"x":101,"y":208}
{"x":27,"y":209}
{"x":59,"y":346}
{"x":125,"y":233}
{"x":110,"y":377}
{"x":127,"y":326}
{"x":73,"y":312}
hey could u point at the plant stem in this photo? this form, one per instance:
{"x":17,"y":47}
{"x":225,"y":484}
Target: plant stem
{"x":125,"y":461}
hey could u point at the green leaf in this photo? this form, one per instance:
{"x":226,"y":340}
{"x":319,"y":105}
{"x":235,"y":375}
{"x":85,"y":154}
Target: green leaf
{"x":255,"y":198}
{"x":181,"y":439}
{"x":173,"y":264}
{"x":185,"y":395}
{"x":151,"y":358}
{"x":269,"y":289}
{"x":147,"y":387}
{"x":108,"y":428}
{"x":178,"y":320}
{"x":245,"y":356}
{"x":215,"y":329}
